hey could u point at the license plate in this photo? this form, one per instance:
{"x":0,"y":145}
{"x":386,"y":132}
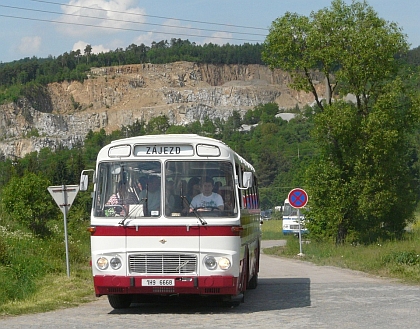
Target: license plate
{"x":157,"y":282}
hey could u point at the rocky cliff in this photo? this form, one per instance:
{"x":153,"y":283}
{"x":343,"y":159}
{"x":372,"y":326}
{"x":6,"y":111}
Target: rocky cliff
{"x":63,"y":113}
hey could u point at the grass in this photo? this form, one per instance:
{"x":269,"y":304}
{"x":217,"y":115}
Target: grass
{"x":272,"y":230}
{"x":53,"y":292}
{"x":33,"y":273}
{"x":394,"y":259}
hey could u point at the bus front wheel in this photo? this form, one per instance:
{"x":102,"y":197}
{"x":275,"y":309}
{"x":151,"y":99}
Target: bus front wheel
{"x":120,"y":301}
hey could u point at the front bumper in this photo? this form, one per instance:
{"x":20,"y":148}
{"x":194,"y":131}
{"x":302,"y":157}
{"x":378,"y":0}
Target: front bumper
{"x":209,"y":285}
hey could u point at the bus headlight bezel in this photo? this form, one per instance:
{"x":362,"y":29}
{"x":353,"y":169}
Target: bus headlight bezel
{"x":210,"y":262}
{"x":102,"y":263}
{"x":115,"y":263}
{"x":224,"y":263}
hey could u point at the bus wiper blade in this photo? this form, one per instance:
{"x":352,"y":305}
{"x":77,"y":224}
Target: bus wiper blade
{"x":122,"y":222}
{"x":201,"y":219}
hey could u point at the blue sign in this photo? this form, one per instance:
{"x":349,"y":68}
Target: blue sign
{"x":298,"y":198}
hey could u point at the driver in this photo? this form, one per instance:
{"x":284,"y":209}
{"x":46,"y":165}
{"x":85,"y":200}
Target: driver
{"x":207,"y":198}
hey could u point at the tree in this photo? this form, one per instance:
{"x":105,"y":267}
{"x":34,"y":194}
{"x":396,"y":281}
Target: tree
{"x":350,"y":45}
{"x":88,"y":52}
{"x":362,"y":175}
{"x":158,"y":125}
{"x":27,"y":201}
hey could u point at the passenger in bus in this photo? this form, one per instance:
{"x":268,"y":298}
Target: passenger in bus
{"x":123,"y":197}
{"x":193,"y":188}
{"x":207,"y":199}
{"x":227,"y":197}
{"x":150,"y":196}
{"x":216,"y":188}
{"x":139,"y":185}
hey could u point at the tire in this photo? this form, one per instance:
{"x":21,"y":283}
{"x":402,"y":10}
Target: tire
{"x":233,"y":301}
{"x":120,"y":301}
{"x":253,"y":283}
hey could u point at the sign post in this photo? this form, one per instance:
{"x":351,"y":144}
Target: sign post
{"x":298,"y":198}
{"x":64,"y":196}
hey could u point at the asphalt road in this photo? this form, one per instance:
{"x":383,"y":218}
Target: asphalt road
{"x":290,"y":294}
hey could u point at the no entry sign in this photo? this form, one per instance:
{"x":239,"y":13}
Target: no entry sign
{"x":298,"y":198}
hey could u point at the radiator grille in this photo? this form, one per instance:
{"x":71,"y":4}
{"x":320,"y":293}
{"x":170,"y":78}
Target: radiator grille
{"x":163,"y":263}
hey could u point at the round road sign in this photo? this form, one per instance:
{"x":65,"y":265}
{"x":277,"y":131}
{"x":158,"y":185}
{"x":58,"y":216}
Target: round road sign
{"x":298,"y":198}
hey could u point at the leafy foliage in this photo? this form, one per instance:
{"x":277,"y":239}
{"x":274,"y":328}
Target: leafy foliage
{"x":27,"y":201}
{"x":362,"y":176}
{"x":350,"y":45}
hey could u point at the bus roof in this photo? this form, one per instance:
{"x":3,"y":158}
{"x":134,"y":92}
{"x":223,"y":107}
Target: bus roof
{"x":177,"y":139}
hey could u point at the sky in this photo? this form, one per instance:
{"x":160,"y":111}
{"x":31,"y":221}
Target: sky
{"x":44,"y":28}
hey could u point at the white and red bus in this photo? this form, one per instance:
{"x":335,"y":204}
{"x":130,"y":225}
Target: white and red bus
{"x":148,"y":239}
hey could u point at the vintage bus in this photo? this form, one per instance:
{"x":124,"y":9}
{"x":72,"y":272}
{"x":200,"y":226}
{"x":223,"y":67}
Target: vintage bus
{"x":291,"y":220}
{"x":150,"y":235}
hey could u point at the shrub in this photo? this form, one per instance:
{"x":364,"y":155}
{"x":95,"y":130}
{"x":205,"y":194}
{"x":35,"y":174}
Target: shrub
{"x":27,"y":201}
{"x":402,"y":258}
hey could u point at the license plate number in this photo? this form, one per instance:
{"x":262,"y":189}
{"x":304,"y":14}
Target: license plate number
{"x":157,"y":282}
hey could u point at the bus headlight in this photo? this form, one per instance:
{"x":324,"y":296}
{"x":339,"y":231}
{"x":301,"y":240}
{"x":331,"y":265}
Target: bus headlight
{"x":115,"y":263}
{"x":102,"y":263}
{"x":210,"y":262}
{"x":224,"y":263}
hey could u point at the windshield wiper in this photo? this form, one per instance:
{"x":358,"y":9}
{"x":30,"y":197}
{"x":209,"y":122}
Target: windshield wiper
{"x":122,"y":222}
{"x":201,"y":219}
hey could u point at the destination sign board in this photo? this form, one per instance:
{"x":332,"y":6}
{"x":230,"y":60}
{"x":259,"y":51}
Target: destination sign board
{"x":162,"y":150}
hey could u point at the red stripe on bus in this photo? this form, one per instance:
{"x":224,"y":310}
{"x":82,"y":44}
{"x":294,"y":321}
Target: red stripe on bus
{"x":164,"y":230}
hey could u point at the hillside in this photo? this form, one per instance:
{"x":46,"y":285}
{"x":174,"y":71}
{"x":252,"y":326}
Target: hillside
{"x":115,"y":96}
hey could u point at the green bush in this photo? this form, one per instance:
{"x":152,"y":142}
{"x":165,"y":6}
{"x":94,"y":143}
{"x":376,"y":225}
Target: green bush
{"x":27,"y":200}
{"x":26,"y":259}
{"x":403,"y":258}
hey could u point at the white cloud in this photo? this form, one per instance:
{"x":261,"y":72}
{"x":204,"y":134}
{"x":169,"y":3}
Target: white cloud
{"x":96,"y":49}
{"x":82,"y":15}
{"x":29,"y":45}
{"x":145,"y":39}
{"x":219,"y":38}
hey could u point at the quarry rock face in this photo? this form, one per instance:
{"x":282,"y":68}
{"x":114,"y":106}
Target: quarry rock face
{"x":117,"y":96}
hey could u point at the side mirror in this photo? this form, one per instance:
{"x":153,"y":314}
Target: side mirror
{"x":247,"y":179}
{"x":84,"y":181}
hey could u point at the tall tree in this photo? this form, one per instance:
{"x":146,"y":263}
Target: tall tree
{"x":88,"y":52}
{"x":361,"y":176}
{"x":350,"y":45}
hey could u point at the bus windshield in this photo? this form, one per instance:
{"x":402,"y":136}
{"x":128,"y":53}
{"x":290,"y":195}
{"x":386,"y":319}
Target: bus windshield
{"x":152,"y":189}
{"x":288,"y":210}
